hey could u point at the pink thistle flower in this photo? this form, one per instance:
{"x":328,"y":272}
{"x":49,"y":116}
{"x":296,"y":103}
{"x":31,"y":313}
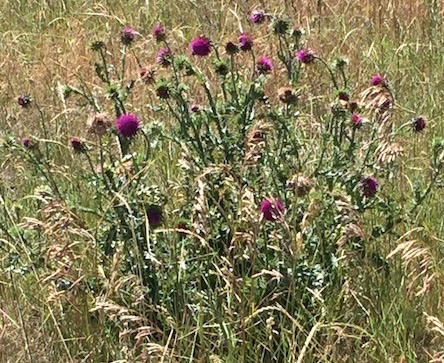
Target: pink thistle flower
{"x":128,"y":35}
{"x":200,"y":46}
{"x":305,"y":56}
{"x":159,"y":33}
{"x":264,"y":65}
{"x":377,"y":80}
{"x":357,"y":120}
{"x":245,"y":42}
{"x":258,"y":16}
{"x":127,"y":125}
{"x":272,"y":209}
{"x":163,"y":57}
{"x":369,"y":186}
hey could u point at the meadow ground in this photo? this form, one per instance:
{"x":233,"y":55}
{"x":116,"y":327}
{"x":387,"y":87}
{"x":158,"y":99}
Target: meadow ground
{"x":216,"y":203}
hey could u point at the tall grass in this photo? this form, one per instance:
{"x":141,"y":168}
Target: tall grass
{"x":88,"y":274}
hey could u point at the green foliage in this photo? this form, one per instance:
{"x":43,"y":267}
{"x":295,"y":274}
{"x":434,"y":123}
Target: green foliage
{"x":239,"y":222}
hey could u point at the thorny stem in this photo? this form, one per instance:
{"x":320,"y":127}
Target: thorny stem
{"x":233,"y":79}
{"x":197,"y":143}
{"x":332,"y":76}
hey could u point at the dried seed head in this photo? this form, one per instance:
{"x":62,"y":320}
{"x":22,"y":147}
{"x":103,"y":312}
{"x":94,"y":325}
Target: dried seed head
{"x":287,"y":95}
{"x":255,"y":142}
{"x":98,"y":124}
{"x":147,"y":74}
{"x":300,"y":184}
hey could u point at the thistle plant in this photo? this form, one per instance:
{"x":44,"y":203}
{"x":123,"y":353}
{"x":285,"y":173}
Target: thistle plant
{"x":279,"y":199}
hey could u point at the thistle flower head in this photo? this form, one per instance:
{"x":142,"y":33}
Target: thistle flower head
{"x":26,"y":142}
{"x":281,"y":26}
{"x":258,"y":16}
{"x":264,"y":65}
{"x":305,"y":56}
{"x":128,"y":35}
{"x":377,"y":80}
{"x":98,"y":124}
{"x":97,"y":45}
{"x":163,"y":90}
{"x":300,"y":184}
{"x":77,"y":144}
{"x":357,"y":120}
{"x":163,"y":57}
{"x":343,"y":96}
{"x":154,"y":214}
{"x":245,"y":42}
{"x":272,"y":209}
{"x":200,"y":46}
{"x":195,"y":108}
{"x":127,"y":125}
{"x":231,"y":48}
{"x":24,"y":101}
{"x":287,"y":95}
{"x":369,"y":186}
{"x":221,"y":67}
{"x":419,"y":123}
{"x":159,"y":33}
{"x":147,"y":74}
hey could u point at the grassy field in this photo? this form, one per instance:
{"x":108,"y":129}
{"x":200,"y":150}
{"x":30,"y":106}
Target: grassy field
{"x":206,"y":205}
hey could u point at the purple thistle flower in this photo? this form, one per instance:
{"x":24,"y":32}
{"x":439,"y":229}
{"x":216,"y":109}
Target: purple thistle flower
{"x":377,"y":80}
{"x":264,"y":65}
{"x":369,"y":186}
{"x":26,"y":142}
{"x":159,"y":33}
{"x":231,"y":48}
{"x":305,"y":56}
{"x":77,"y":144}
{"x":271,"y":209}
{"x":154,"y":214}
{"x":200,"y":46}
{"x":245,"y":42}
{"x":419,"y":123}
{"x":128,"y":35}
{"x":128,"y":125}
{"x":257,"y":16}
{"x":357,"y":120}
{"x":24,"y":101}
{"x":163,"y":57}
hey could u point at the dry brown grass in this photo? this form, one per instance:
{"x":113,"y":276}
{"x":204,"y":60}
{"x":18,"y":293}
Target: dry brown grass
{"x":45,"y":45}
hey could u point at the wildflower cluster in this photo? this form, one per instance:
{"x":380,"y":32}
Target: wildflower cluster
{"x":277,"y":193}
